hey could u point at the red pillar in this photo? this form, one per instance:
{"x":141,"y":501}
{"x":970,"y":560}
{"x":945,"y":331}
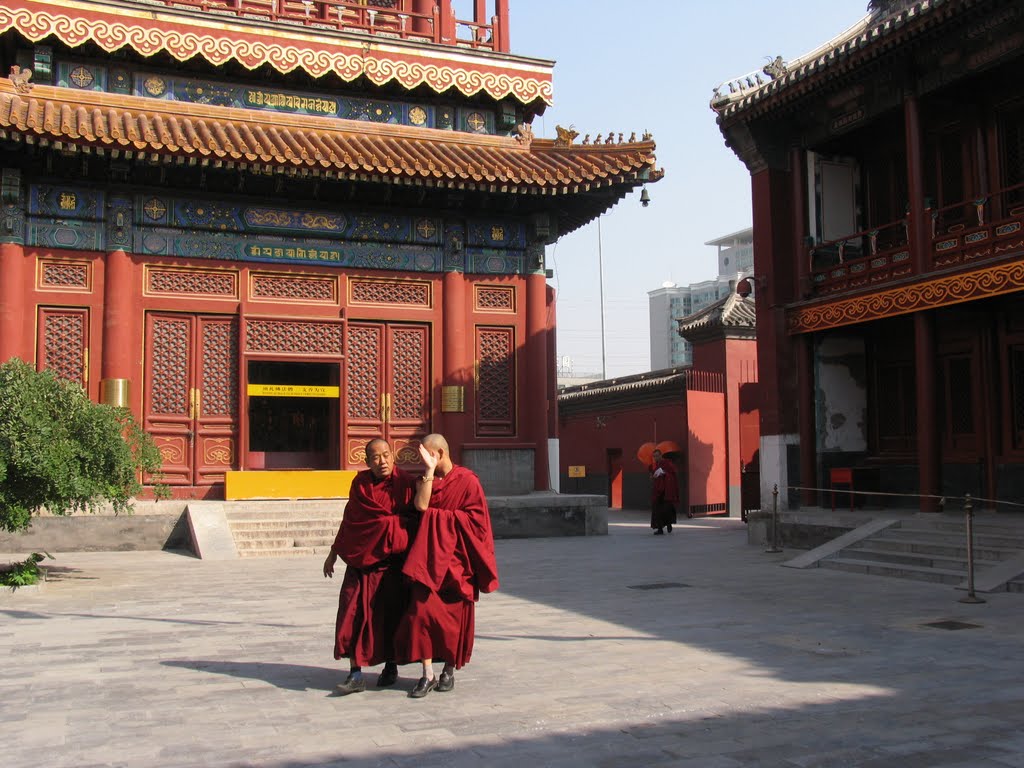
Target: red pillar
{"x":501,"y":17}
{"x":798,"y":165}
{"x":552,"y":375}
{"x":445,"y":21}
{"x":807,"y":419}
{"x":120,"y":367}
{"x":919,"y":234}
{"x":424,"y":10}
{"x":13,"y":307}
{"x":929,"y":469}
{"x":535,"y":394}
{"x":455,"y":363}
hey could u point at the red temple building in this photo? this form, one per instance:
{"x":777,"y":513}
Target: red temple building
{"x":274,"y":229}
{"x":887,"y":173}
{"x":703,"y":417}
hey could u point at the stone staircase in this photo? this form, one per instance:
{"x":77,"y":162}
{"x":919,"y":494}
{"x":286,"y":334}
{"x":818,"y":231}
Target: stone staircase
{"x":931,"y":548}
{"x":284,"y":528}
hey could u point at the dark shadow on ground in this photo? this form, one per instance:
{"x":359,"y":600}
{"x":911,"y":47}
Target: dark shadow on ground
{"x":292,"y":677}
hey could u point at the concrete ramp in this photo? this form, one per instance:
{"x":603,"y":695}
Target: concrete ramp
{"x":211,"y":535}
{"x":812,"y":557}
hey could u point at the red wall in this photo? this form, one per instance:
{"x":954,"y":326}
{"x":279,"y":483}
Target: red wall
{"x":586,"y":439}
{"x":706,"y":450}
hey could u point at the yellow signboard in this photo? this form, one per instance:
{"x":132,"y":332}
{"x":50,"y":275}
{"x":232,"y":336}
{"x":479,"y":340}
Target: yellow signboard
{"x":577,"y":471}
{"x":291,"y":390}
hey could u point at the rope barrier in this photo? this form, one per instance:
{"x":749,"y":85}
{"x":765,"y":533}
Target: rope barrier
{"x":945,"y":497}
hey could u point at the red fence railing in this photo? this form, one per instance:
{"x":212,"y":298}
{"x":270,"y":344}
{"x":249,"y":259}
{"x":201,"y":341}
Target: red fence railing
{"x":401,"y":19}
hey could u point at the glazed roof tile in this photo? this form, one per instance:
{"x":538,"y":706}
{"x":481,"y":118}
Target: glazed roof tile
{"x":346,"y":148}
{"x":633,"y":384}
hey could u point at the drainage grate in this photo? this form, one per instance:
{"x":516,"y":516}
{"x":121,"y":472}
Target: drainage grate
{"x":952,"y":625}
{"x":659,"y":585}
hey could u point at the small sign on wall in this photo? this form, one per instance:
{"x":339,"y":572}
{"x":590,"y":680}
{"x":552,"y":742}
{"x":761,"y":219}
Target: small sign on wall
{"x":577,"y":471}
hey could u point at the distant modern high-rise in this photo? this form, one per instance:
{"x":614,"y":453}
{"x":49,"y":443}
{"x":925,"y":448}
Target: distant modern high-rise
{"x":671,"y":301}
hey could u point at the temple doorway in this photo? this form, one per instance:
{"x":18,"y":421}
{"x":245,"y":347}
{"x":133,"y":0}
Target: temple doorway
{"x":293,"y":415}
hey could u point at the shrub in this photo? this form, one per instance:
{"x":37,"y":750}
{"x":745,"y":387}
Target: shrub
{"x":61,"y":451}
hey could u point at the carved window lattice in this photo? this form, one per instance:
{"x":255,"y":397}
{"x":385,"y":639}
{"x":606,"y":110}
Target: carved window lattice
{"x":58,"y":274}
{"x":363,"y":388}
{"x":500,"y":299}
{"x":408,"y":362}
{"x":292,"y":337}
{"x":496,"y":381}
{"x":287,"y":287}
{"x":195,"y":283}
{"x":64,"y":345}
{"x":390,"y":292}
{"x":169,"y":391}
{"x":220,"y":369}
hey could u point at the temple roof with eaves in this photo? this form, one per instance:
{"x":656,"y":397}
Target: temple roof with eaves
{"x":891,"y":23}
{"x":157,"y":131}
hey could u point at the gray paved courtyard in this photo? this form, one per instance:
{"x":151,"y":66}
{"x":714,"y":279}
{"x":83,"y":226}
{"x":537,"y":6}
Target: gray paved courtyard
{"x":158,"y":659}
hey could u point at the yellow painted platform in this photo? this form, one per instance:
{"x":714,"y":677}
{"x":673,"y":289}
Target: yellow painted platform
{"x":288,"y":484}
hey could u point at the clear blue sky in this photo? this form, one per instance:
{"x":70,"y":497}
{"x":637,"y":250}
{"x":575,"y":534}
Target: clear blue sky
{"x":636,"y":66}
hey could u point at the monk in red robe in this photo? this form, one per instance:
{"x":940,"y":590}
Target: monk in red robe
{"x":664,"y":493}
{"x":450,"y":562}
{"x":372,"y":540}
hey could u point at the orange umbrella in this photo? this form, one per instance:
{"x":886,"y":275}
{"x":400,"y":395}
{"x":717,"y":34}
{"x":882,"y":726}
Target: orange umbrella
{"x":668,"y":446}
{"x":645,"y":453}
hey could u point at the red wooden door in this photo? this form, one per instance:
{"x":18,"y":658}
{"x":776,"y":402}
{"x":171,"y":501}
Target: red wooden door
{"x":387,"y":375}
{"x":191,"y":395}
{"x":615,"y":478}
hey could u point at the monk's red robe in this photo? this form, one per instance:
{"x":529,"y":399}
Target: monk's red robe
{"x":664,"y":494}
{"x":449,"y":563}
{"x":372,"y":540}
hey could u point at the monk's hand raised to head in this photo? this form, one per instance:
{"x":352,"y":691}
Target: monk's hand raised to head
{"x":429,"y":461}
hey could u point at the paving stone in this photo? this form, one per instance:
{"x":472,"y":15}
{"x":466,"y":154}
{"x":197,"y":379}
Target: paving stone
{"x":141,"y":659}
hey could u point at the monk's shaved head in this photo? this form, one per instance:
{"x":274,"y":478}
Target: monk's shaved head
{"x":376,"y":445}
{"x":435,"y":442}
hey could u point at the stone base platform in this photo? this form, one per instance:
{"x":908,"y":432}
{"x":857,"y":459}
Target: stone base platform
{"x":165,"y":524}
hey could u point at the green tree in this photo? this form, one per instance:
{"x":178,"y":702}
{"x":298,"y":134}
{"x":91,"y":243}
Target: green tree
{"x":61,"y":451}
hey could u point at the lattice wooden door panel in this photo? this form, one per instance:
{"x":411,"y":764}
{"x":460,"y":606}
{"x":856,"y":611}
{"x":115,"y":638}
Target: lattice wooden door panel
{"x":387,"y":375}
{"x":62,"y":345}
{"x":191,"y":395}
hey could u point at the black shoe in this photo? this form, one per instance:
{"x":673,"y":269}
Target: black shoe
{"x":689,"y":515}
{"x":353,"y":684}
{"x":424,"y":686}
{"x":669,"y":527}
{"x":659,"y":532}
{"x":388,"y":675}
{"x":446,"y":681}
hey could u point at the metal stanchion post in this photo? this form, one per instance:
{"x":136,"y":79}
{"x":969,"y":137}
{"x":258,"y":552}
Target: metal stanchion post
{"x":775,"y":521}
{"x":970,"y":597}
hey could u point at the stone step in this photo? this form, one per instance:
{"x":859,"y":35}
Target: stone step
{"x":1011,"y":540}
{"x":903,"y":571}
{"x":283,"y":552}
{"x":281,"y":513}
{"x":256,"y":526}
{"x":263,"y":543}
{"x":957,"y":551}
{"x":865,"y":551}
{"x":285,"y":533}
{"x":1007,"y":530}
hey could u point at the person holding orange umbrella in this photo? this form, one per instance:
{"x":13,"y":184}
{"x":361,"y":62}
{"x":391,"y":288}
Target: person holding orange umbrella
{"x":664,"y":493}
